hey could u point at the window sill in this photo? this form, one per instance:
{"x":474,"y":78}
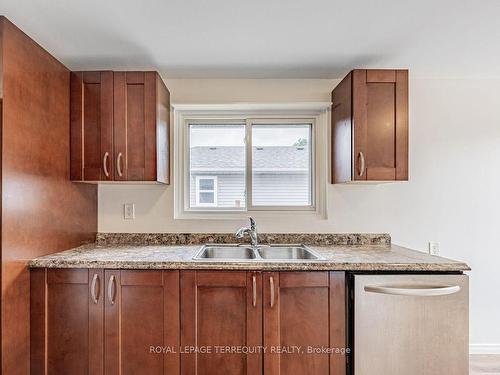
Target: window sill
{"x":239,"y":215}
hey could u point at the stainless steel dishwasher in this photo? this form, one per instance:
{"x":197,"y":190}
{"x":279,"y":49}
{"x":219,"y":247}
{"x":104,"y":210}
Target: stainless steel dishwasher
{"x":411,"y":324}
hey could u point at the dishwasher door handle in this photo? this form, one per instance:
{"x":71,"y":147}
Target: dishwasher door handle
{"x":414,"y":290}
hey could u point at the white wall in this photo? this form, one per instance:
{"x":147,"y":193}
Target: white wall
{"x":453,"y":195}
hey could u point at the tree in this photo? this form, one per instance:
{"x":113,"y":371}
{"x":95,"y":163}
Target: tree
{"x":300,"y":142}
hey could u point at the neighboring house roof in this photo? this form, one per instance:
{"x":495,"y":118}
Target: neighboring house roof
{"x":227,"y":158}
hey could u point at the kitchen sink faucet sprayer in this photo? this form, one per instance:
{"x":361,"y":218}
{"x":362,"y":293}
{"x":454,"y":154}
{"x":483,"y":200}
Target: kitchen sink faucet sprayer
{"x":252,"y":231}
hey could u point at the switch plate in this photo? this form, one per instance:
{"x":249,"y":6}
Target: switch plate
{"x":434,"y":248}
{"x":129,"y":211}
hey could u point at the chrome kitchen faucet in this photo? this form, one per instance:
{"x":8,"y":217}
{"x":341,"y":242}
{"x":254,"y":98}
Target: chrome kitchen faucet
{"x":252,"y":231}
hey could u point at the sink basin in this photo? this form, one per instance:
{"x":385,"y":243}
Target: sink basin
{"x":287,"y":253}
{"x":294,"y":253}
{"x":226,"y":252}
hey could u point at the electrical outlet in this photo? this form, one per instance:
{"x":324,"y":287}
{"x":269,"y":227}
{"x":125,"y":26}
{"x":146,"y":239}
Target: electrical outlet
{"x":434,"y":248}
{"x":129,"y":211}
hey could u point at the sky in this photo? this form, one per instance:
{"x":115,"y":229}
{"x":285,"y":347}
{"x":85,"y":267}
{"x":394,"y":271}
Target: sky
{"x":233,"y":135}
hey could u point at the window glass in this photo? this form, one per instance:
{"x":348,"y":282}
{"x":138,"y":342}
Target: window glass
{"x":281,"y":165}
{"x":206,"y":197}
{"x":206,"y":184}
{"x":217,"y":166}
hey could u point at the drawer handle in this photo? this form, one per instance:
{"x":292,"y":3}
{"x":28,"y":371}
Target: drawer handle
{"x":105,"y":163}
{"x":271,"y":286}
{"x":414,"y":290}
{"x":254,"y":291}
{"x":362,"y":165}
{"x":111,"y":289}
{"x":95,"y":294}
{"x":118,"y":164}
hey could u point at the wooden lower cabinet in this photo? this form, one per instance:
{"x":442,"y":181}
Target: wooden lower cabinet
{"x":66,"y":322}
{"x":86,"y":321}
{"x":286,"y":314}
{"x":104,"y":321}
{"x":304,"y":320}
{"x":220,"y":310}
{"x":141,"y":315}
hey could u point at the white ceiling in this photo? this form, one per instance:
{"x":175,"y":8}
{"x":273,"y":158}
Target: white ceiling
{"x":266,"y":38}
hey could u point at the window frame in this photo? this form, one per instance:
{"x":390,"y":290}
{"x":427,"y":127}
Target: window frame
{"x":198,"y":191}
{"x":183,"y":114}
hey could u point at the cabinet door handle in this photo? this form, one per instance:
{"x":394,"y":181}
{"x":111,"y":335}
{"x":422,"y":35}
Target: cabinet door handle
{"x":111,"y":289}
{"x":254,"y":291}
{"x":118,"y":164}
{"x":416,"y":290}
{"x":271,"y":287}
{"x":362,"y":165}
{"x":95,"y":294}
{"x":105,"y":163}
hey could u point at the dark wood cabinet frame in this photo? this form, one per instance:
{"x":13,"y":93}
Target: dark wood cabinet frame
{"x":119,"y":127}
{"x":370,"y":126}
{"x":95,"y":321}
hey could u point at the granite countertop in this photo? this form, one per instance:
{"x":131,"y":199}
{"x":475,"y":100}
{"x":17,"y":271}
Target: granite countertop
{"x":364,"y":257}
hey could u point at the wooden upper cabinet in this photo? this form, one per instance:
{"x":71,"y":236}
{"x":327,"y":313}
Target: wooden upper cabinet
{"x":141,"y":110}
{"x":305,"y":313}
{"x":119,"y":127}
{"x":370,"y":126}
{"x":92,"y":126}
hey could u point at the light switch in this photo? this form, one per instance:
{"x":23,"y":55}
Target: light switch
{"x":129,"y":211}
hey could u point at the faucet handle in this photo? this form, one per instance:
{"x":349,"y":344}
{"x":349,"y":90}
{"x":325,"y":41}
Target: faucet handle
{"x":240,"y":232}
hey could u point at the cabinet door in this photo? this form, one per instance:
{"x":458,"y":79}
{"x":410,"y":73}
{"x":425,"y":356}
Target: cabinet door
{"x":342,"y":131}
{"x":135,"y":125}
{"x":67,"y":321}
{"x":92,"y":126}
{"x":380,"y":120}
{"x":141,"y":322}
{"x":304,"y":313}
{"x":221,"y":309}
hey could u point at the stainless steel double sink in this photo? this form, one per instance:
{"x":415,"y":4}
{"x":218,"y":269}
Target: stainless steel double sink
{"x":256,"y":253}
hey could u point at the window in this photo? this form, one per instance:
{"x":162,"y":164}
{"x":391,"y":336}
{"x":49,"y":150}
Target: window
{"x":250,"y":164}
{"x":217,"y":152}
{"x":281,"y":165}
{"x":206,"y":191}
